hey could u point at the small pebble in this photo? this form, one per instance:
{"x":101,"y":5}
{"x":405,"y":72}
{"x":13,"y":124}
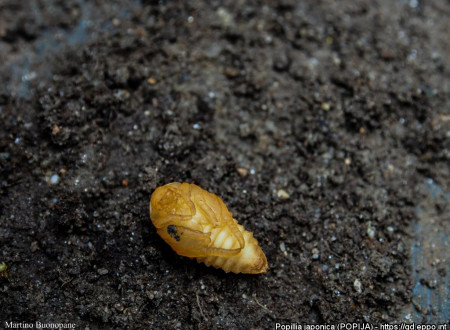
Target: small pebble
{"x":119,"y":307}
{"x":357,"y":286}
{"x":370,"y":231}
{"x":315,"y":253}
{"x":116,"y":21}
{"x":56,"y":129}
{"x":282,"y":194}
{"x":242,"y":171}
{"x":54,"y":179}
{"x":34,"y":246}
{"x":325,"y":106}
{"x":225,"y":17}
{"x":102,"y":271}
{"x":122,"y":94}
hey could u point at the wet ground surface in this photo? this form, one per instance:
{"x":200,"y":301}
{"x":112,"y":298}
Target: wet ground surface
{"x":323,"y":125}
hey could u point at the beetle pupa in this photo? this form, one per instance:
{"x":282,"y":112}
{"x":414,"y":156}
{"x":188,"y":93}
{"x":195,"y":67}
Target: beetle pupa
{"x":197,"y":224}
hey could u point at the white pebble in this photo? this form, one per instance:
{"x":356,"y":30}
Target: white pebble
{"x":357,"y":286}
{"x":282,"y":194}
{"x":315,"y":253}
{"x":370,"y":231}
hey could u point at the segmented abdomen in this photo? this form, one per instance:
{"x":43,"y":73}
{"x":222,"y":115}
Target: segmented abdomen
{"x":250,"y":260}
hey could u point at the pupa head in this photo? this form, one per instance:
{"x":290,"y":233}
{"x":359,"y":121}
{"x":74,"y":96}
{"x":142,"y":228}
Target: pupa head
{"x":170,"y":203}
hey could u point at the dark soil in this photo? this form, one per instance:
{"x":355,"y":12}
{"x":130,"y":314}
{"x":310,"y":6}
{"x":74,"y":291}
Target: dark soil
{"x":344,"y":105}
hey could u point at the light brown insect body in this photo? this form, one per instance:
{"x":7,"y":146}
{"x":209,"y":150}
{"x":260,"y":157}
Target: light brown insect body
{"x":197,"y":224}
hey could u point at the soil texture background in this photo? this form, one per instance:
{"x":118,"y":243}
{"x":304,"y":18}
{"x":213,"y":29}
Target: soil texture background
{"x":323,"y":125}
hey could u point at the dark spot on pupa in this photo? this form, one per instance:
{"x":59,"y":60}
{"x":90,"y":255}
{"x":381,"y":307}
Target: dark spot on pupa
{"x":172,"y":231}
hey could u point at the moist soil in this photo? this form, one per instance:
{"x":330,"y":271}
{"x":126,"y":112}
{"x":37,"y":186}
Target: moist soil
{"x":317,"y":123}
